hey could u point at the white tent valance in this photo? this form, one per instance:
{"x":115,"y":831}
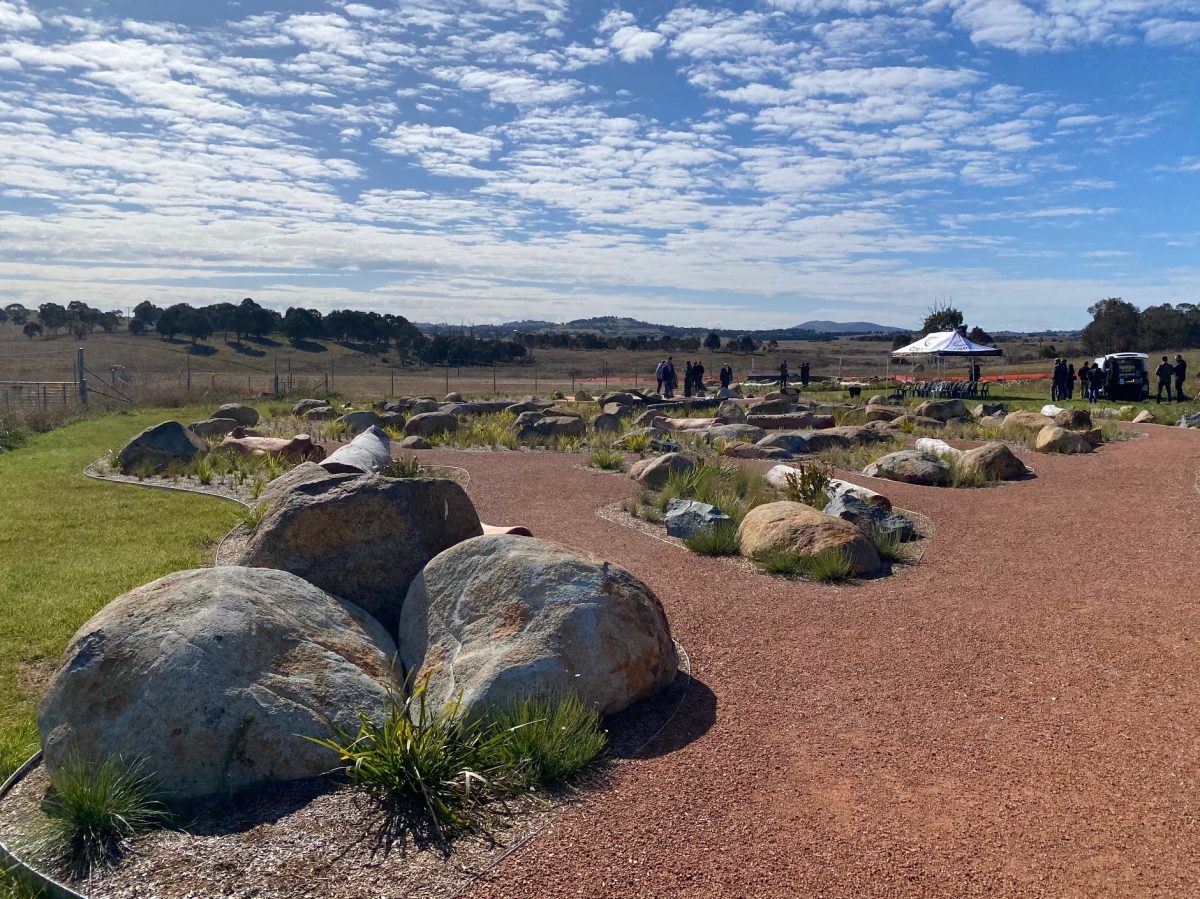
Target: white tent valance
{"x":946,"y":343}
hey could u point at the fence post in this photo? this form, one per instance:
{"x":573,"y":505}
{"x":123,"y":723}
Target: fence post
{"x":392,"y":383}
{"x":189,"y":374}
{"x":83,"y":392}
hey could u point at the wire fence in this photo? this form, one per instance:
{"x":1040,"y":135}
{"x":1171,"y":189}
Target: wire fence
{"x":18,"y":396}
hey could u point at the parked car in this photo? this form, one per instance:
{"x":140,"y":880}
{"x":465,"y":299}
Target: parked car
{"x":1126,"y":376}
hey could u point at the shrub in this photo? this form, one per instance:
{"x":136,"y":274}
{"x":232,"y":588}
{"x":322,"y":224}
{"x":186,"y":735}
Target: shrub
{"x":404,"y":467}
{"x":808,"y":483}
{"x":12,"y":435}
{"x":437,"y":758}
{"x":92,"y":810}
{"x":607,"y":460}
{"x":547,"y":740}
{"x":637,"y":443}
{"x":718,"y":540}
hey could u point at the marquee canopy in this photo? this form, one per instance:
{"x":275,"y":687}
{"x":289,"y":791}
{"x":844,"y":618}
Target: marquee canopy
{"x":946,"y":343}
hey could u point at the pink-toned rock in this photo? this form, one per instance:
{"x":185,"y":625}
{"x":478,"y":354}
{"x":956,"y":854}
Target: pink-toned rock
{"x":298,"y":448}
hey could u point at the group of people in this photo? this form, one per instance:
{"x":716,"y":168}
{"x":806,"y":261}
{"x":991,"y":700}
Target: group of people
{"x":1166,"y":373}
{"x":783,"y":374}
{"x":693,"y":378}
{"x":1096,"y":380}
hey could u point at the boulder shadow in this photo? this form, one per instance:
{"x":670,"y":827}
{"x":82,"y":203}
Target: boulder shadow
{"x":663,"y":723}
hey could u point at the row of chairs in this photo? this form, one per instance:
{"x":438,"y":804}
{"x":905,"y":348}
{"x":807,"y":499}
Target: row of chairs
{"x":960,"y":390}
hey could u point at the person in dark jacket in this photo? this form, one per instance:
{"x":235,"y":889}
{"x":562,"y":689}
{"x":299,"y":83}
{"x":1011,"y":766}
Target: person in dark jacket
{"x":726,"y":376}
{"x":669,"y":380}
{"x":783,"y":375}
{"x":1095,"y":382}
{"x":1180,"y":374}
{"x":803,"y":374}
{"x":1069,"y":383}
{"x":688,"y":383}
{"x":1165,"y":372}
{"x":698,"y":376}
{"x":1082,"y":374}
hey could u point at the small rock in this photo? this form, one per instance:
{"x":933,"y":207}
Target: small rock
{"x":213,"y":427}
{"x":1053,"y":439}
{"x":415,"y":443}
{"x":426,"y":424}
{"x":868,"y":518}
{"x":243,"y":415}
{"x":686,"y":518}
{"x":654,"y":473}
{"x":911,"y":467}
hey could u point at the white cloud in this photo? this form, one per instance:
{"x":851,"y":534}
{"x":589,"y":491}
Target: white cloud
{"x":17,"y":17}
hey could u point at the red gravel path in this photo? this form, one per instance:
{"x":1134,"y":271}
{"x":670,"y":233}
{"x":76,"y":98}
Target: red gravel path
{"x":1019,"y":715}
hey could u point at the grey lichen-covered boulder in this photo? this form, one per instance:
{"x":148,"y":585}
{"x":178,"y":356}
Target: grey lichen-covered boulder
{"x":654,"y":473}
{"x":160,"y":446}
{"x":304,"y":473}
{"x":911,"y":467}
{"x":983,"y":410}
{"x":415,"y":443}
{"x":499,"y":618}
{"x":422,"y":405}
{"x":995,"y":461}
{"x":1190,"y":420}
{"x":213,"y":678}
{"x":883,"y":413}
{"x":303,"y":406}
{"x":453,"y":397}
{"x":1023,"y":419}
{"x":917,"y":421}
{"x":794,"y":442}
{"x":361,"y":537}
{"x":688,"y":518}
{"x":213,"y":427}
{"x":246,"y":416}
{"x":426,"y":424}
{"x":779,"y":406}
{"x":1053,"y":439}
{"x":870,"y":519}
{"x":732,"y":412}
{"x":801,"y":529}
{"x":321,"y":413}
{"x":370,"y":451}
{"x":740,"y":450}
{"x":942,"y":410}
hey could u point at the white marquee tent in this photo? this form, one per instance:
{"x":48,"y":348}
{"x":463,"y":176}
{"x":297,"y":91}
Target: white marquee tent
{"x":945,"y":345}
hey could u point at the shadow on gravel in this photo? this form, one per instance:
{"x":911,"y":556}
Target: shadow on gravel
{"x":663,"y":723}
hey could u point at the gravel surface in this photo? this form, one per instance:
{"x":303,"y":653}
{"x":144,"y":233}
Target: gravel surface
{"x":1018,"y":715}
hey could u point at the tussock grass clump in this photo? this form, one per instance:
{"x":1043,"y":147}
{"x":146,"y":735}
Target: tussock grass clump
{"x":889,"y":546}
{"x":205,"y":471}
{"x":548,"y":740}
{"x":93,"y":810}
{"x":963,"y":476}
{"x":829,"y":566}
{"x":404,"y":467}
{"x":608,"y":460}
{"x":719,"y":540}
{"x":732,"y":489}
{"x":636,"y":443}
{"x":856,"y":458}
{"x":253,"y":516}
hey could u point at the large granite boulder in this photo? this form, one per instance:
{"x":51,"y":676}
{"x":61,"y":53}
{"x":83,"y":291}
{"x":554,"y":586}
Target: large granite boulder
{"x":548,"y":427}
{"x":883,"y":413}
{"x":1074,"y":419}
{"x":303,"y":406}
{"x":841,"y":438}
{"x":939,"y":448}
{"x":246,"y":416}
{"x":213,"y":427}
{"x":942,"y":410}
{"x":362,"y":537}
{"x":622,"y":398}
{"x":995,"y":461}
{"x":424,"y":405}
{"x":161,"y":446}
{"x":983,"y":410}
{"x":304,"y":473}
{"x":500,"y":618}
{"x":740,"y":450}
{"x":732,"y":412}
{"x":427,"y":424}
{"x":911,"y":467}
{"x":687,"y":518}
{"x":213,"y":678}
{"x":1190,"y":420}
{"x":917,"y":421}
{"x":1053,"y":439}
{"x":356,"y":422}
{"x":732,"y":432}
{"x":415,"y":443}
{"x":370,"y":451}
{"x":1025,"y":420}
{"x":837,"y":487}
{"x":870,"y":519}
{"x":803,"y":530}
{"x":793,"y":442}
{"x":779,"y":406}
{"x":792,"y":421}
{"x":607,"y":423}
{"x":654,"y":473}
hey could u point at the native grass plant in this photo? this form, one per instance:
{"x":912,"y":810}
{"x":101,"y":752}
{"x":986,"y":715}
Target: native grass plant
{"x":732,"y":489}
{"x":394,"y":433}
{"x":888,"y":544}
{"x":827,"y":566}
{"x":636,"y":443}
{"x":548,"y":740}
{"x":457,"y":769}
{"x":257,"y":486}
{"x":205,"y":471}
{"x":808,"y":483}
{"x":964,"y":476}
{"x":92,"y":811}
{"x":607,"y":460}
{"x":13,"y":435}
{"x":404,"y":467}
{"x":719,"y":540}
{"x":254,"y":515}
{"x":856,"y":458}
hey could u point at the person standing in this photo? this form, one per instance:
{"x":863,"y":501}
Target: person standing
{"x":1082,"y":374}
{"x":726,"y":376}
{"x":698,"y":374}
{"x":1180,"y":374}
{"x":975,"y":372}
{"x":803,"y":374}
{"x":669,"y":377}
{"x":687,"y":379}
{"x":1056,"y":381}
{"x":1095,"y":382}
{"x":659,"y":374}
{"x":1069,"y":383}
{"x":783,"y":375}
{"x":1165,"y":372}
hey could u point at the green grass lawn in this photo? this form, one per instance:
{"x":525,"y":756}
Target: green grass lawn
{"x":70,"y":544}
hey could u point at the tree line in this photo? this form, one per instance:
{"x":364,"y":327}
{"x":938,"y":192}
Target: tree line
{"x":1119,"y":326}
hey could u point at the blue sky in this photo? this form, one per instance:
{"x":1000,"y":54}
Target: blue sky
{"x":740,"y":165}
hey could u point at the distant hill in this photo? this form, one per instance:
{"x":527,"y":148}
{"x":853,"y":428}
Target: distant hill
{"x":826,"y":327}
